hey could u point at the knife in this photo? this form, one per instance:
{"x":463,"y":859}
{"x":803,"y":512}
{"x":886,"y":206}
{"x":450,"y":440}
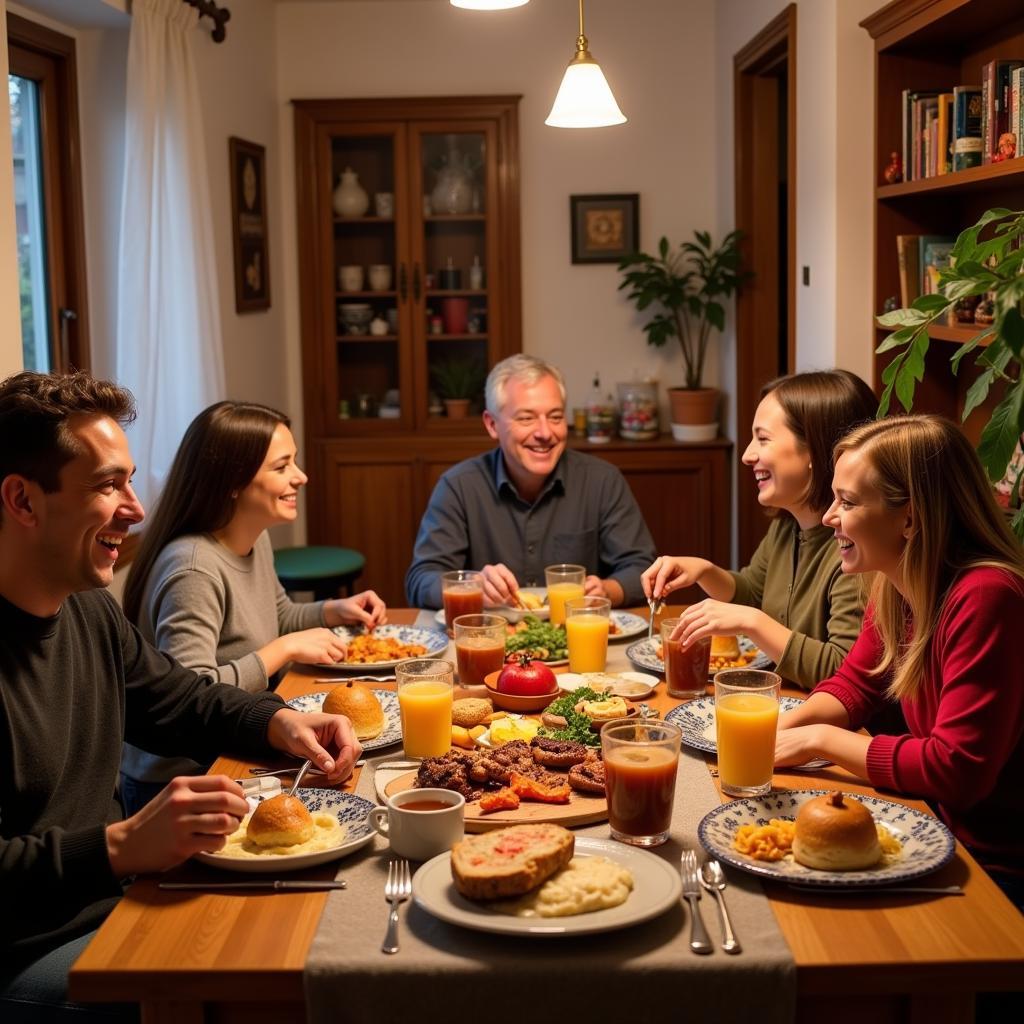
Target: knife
{"x":878,"y":890}
{"x":308,"y":886}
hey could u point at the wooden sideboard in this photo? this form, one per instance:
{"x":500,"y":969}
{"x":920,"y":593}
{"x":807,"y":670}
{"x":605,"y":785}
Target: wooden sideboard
{"x":377,"y":493}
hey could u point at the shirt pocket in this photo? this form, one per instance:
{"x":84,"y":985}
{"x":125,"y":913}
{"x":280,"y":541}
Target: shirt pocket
{"x":579,"y":548}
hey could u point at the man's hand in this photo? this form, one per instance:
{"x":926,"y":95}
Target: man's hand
{"x":326,"y":740}
{"x":499,"y":585}
{"x":191,"y":815}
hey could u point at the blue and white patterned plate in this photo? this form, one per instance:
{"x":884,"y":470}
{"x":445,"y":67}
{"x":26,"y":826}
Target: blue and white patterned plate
{"x":388,"y":701}
{"x":927,"y":844}
{"x":628,"y":625}
{"x":697,"y":720}
{"x":351,"y":811}
{"x":434,"y":640}
{"x":646,"y":655}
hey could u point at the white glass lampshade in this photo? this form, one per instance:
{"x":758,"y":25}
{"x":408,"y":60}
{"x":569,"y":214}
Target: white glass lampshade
{"x":488,"y":5}
{"x":584,"y":99}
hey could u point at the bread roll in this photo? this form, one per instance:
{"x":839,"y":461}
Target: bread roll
{"x":836,"y":833}
{"x":470,"y":711}
{"x":360,"y":706}
{"x":725,"y":647}
{"x":282,"y":820}
{"x":509,"y":861}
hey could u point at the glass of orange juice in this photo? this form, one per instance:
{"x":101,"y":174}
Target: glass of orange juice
{"x":586,"y":630}
{"x":746,"y":716}
{"x":564,"y":583}
{"x":425,"y":705}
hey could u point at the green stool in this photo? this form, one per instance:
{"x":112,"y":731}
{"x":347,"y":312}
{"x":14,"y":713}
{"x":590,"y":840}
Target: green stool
{"x":324,"y":570}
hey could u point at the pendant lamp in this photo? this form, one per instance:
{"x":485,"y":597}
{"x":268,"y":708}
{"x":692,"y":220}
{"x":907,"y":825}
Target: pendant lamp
{"x":487,"y":5}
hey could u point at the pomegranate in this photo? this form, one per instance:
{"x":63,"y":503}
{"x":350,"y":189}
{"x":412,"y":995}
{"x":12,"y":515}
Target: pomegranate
{"x":523,"y":677}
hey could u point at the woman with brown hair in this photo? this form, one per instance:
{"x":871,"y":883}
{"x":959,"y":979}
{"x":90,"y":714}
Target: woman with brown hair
{"x":203,"y":586}
{"x":792,"y":600}
{"x":941,"y":637}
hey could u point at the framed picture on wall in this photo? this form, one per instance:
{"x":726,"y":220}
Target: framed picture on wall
{"x":249,"y":225}
{"x":605,"y":229}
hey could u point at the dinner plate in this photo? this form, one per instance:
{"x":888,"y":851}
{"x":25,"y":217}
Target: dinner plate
{"x":644,"y":655}
{"x":927,"y":843}
{"x":351,"y":810}
{"x":656,"y":888}
{"x":569,"y":681}
{"x":696,"y":718}
{"x":628,"y":625}
{"x":435,"y":641}
{"x":388,"y":701}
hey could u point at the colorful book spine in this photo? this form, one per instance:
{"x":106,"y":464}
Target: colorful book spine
{"x":988,"y":99}
{"x":967,"y":142}
{"x":1005,"y":147}
{"x":943,"y":133}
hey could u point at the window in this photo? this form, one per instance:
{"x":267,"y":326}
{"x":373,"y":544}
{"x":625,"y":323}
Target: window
{"x":48,"y":196}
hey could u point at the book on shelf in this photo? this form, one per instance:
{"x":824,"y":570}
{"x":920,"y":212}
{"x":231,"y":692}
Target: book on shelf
{"x":944,"y":135}
{"x":912,"y":130}
{"x":966,"y":127}
{"x":933,"y":255}
{"x":995,"y":84}
{"x":1016,"y":81}
{"x":908,"y":255}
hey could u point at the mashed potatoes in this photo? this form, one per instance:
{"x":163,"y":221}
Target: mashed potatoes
{"x":327,"y":834}
{"x":585,"y":884}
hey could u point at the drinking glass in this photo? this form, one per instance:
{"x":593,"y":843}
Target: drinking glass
{"x":686,"y":668}
{"x":586,"y":630}
{"x":640,"y":762}
{"x":746,"y":716}
{"x":425,"y":705}
{"x":564,"y":582}
{"x":479,"y":646}
{"x":462,"y":593}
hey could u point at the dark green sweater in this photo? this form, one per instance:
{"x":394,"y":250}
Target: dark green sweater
{"x":796,"y":578}
{"x":73,"y":687}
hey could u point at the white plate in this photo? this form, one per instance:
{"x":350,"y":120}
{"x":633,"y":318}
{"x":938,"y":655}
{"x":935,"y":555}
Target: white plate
{"x":351,"y":811}
{"x":628,"y":624}
{"x":569,"y":681}
{"x":927,"y":843}
{"x":436,"y":643}
{"x":697,"y":720}
{"x":656,"y":888}
{"x":645,"y":654}
{"x":388,"y":701}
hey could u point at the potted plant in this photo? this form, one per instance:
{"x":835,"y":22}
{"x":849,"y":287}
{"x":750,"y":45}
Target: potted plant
{"x":686,"y":286}
{"x":989,"y":268}
{"x":457,"y":380}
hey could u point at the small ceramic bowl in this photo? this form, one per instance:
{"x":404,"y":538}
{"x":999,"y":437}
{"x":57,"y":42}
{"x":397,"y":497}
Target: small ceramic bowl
{"x":513,"y":702}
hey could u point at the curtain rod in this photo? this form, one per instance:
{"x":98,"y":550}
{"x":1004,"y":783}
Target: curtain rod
{"x":218,"y":15}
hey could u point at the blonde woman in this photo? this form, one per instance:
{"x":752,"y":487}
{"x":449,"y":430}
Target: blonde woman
{"x":941,"y":637}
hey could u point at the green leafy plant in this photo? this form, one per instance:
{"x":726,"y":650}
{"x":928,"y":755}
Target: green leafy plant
{"x":685,"y":285}
{"x":458,"y":378}
{"x":987,"y":258}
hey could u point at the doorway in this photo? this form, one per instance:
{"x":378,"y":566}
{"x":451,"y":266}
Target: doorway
{"x":764,"y":89}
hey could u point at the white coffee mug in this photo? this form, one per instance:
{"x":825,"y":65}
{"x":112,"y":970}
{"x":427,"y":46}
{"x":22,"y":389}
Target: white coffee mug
{"x":420,"y":823}
{"x":350,"y":278}
{"x":380,"y":276}
{"x":384,"y":204}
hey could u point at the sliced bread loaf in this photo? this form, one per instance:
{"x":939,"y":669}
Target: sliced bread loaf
{"x":509,"y":861}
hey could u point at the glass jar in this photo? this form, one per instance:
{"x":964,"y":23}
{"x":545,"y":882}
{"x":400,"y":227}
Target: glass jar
{"x":638,"y":410}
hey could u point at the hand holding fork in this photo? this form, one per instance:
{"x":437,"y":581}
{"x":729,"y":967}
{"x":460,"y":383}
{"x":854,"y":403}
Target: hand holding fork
{"x":397,"y":890}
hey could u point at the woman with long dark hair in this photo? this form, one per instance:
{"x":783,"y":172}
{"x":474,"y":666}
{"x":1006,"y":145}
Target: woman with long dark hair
{"x":203,"y":586}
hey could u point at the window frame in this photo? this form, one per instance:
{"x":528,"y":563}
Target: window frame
{"x":48,"y":58}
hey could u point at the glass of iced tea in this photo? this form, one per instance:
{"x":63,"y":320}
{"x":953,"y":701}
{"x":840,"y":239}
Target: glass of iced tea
{"x":425,"y":705}
{"x":686,"y":668}
{"x":640,"y":762}
{"x":746,"y":719}
{"x":564,"y":582}
{"x":462,"y":593}
{"x":479,"y":646}
{"x":586,"y":632}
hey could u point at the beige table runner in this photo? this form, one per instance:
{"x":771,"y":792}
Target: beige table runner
{"x":444,"y":972}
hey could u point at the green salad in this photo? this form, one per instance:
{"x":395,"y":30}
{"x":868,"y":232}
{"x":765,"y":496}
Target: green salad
{"x":542,"y":640}
{"x":577,"y":725}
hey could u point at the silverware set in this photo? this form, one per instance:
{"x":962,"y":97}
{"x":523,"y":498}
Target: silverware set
{"x":710,"y":877}
{"x":397,"y":889}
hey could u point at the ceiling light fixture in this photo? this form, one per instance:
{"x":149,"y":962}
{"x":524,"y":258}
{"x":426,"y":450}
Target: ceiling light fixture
{"x":584,"y":98}
{"x":488,"y":5}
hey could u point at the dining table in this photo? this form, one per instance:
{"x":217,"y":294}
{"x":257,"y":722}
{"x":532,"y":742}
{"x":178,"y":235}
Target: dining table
{"x":196,"y":956}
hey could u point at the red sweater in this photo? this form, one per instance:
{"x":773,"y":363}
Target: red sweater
{"x":964,"y":751}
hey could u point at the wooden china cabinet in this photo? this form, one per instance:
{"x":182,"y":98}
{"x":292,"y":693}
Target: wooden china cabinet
{"x":376,"y":438}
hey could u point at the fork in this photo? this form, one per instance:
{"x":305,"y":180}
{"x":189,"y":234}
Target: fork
{"x":699,"y":941}
{"x":655,"y":604}
{"x":397,"y":889}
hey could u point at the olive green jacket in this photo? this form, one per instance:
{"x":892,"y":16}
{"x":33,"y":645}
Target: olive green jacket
{"x":795,"y":577}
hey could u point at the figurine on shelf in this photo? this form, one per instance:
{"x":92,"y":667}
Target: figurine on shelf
{"x":893,"y":172}
{"x":985,"y":314}
{"x":963,"y":311}
{"x":1007,"y":148}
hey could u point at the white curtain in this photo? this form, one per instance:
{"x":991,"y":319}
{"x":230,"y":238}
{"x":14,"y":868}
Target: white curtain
{"x":169,"y":346}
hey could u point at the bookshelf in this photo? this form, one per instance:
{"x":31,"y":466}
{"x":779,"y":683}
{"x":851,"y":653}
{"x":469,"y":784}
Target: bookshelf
{"x":936,"y":44}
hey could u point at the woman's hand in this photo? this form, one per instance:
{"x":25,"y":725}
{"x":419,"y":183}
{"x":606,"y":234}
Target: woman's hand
{"x":797,"y":745}
{"x":326,"y":740}
{"x":672,"y":572}
{"x":317,"y":646}
{"x":714,"y":618}
{"x":365,"y":608}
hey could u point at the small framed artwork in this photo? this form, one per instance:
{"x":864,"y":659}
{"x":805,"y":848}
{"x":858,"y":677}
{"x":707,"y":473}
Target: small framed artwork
{"x":605,"y":229}
{"x":249,"y":225}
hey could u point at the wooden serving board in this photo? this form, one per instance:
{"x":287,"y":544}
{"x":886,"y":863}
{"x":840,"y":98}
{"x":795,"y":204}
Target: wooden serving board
{"x":582,"y":809}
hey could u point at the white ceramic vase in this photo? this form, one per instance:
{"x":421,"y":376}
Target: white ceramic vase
{"x":350,"y":198}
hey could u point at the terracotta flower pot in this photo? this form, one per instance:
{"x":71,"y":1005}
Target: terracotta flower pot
{"x":694,"y":413}
{"x":456,"y":408}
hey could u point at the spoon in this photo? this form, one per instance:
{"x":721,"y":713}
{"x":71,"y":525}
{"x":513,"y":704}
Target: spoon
{"x":299,"y":776}
{"x":655,"y":604}
{"x":713,"y":879}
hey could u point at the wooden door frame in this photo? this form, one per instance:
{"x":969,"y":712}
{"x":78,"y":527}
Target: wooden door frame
{"x":755,"y":70}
